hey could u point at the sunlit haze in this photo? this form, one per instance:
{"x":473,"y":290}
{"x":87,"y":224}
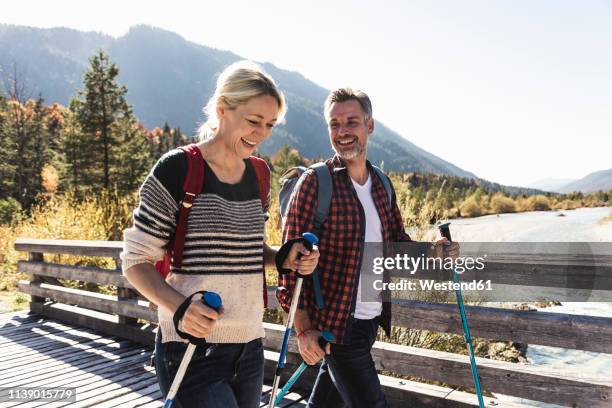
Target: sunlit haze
{"x":513,"y":91}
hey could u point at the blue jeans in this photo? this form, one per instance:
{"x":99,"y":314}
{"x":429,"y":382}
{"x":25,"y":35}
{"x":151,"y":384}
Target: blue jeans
{"x":226,"y":376}
{"x":347,"y":377}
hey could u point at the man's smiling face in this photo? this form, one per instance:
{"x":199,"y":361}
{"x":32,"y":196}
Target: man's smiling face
{"x":348,"y":129}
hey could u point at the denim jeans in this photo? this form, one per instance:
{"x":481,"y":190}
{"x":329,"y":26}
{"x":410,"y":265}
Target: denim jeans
{"x":220,"y":375}
{"x":347,"y":377}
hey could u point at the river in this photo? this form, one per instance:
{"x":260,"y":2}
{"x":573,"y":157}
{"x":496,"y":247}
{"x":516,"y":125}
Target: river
{"x":580,"y":225}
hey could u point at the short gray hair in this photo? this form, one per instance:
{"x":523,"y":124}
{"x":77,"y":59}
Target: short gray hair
{"x":349,"y":94}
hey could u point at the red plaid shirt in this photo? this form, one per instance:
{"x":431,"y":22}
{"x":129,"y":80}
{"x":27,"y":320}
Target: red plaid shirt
{"x":341,"y":247}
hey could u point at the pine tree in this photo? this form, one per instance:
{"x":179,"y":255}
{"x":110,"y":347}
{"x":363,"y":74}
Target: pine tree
{"x":25,"y":135}
{"x":75,"y":153}
{"x":179,"y":138}
{"x":98,"y":109}
{"x":131,"y":158}
{"x":7,"y":153}
{"x":165,"y":140}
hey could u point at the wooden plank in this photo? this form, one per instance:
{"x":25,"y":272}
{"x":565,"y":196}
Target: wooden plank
{"x":110,"y":249}
{"x":134,"y":378}
{"x":78,"y":273}
{"x":548,"y":329}
{"x":92,"y":379}
{"x":101,"y":322}
{"x":521,"y":380}
{"x":522,"y":273}
{"x":41,"y":344}
{"x":497,"y":376}
{"x":129,"y":295}
{"x":14,"y":319}
{"x":601,"y":255}
{"x":104,"y":371}
{"x":272,"y":300}
{"x":43,"y":377}
{"x":90,"y":300}
{"x":41,"y":357}
{"x":26,"y":332}
{"x":50,"y":345}
{"x":128,"y":399}
{"x":11,"y":330}
{"x":38,"y":377}
{"x":48,"y":363}
{"x":590,"y":333}
{"x":405,"y":393}
{"x":41,"y":326}
{"x":36,"y":257}
{"x":127,"y":377}
{"x":153,"y":404}
{"x":113,"y":390}
{"x":80,"y":342}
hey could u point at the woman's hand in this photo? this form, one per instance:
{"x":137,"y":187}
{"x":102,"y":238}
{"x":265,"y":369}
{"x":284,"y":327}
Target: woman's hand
{"x":199,"y":319}
{"x":301,"y":260}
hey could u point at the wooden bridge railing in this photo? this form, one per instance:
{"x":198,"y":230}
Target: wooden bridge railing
{"x":128,"y":315}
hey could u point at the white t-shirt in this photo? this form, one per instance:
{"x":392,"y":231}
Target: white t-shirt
{"x":368,"y":310}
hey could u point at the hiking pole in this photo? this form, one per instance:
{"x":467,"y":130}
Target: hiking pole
{"x":445,"y":231}
{"x":212,"y":300}
{"x":309,"y":240}
{"x":326,"y":337}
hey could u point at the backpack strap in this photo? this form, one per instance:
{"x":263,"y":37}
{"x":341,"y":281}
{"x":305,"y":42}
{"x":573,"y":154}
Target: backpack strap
{"x":192,"y":186}
{"x":262,"y":173}
{"x":385,"y":180}
{"x":324,"y":195}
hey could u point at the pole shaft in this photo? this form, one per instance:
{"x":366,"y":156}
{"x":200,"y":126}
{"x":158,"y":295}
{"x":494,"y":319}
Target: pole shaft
{"x":176,"y":383}
{"x":281,"y":358}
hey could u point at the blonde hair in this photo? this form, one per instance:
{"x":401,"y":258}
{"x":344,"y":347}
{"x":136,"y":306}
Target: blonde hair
{"x":236,"y":85}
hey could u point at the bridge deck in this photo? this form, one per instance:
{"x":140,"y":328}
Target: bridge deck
{"x":106,"y":371}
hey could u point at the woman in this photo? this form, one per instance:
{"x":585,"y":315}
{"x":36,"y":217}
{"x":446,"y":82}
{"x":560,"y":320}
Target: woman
{"x":223,"y":251}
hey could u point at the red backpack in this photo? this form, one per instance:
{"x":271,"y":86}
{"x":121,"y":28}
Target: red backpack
{"x":193,"y":184}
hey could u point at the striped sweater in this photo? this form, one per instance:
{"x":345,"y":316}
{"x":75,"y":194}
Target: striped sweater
{"x":223,"y":246}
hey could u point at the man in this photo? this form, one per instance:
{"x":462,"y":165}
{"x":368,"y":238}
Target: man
{"x":359,"y":212}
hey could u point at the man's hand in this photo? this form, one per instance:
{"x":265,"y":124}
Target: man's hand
{"x":307,"y":261}
{"x":199,"y":319}
{"x":308,"y":343}
{"x":443,"y":248}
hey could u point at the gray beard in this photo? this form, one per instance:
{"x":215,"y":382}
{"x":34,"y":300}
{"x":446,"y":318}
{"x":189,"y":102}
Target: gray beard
{"x":351,"y":154}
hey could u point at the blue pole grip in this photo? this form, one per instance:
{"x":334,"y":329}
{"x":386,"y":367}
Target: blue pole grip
{"x":212,"y":299}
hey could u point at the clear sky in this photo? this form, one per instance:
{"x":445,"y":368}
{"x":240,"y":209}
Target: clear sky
{"x":514,"y":91}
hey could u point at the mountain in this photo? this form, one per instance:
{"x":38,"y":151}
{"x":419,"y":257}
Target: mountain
{"x":550,"y":184}
{"x":170,"y":79}
{"x":599,"y":180}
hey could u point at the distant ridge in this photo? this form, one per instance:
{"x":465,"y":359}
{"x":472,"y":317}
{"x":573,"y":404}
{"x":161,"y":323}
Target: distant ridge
{"x":170,"y":79}
{"x":599,"y":180}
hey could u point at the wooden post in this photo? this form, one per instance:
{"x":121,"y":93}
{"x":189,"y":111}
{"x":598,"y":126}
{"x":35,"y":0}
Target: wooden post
{"x":37,"y":257}
{"x":125,"y":294}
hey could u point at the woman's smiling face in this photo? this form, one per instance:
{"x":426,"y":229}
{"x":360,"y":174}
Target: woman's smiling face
{"x":244,"y":128}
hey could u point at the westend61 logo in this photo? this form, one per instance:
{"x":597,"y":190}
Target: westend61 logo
{"x":498,"y":271}
{"x":411,"y":264}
